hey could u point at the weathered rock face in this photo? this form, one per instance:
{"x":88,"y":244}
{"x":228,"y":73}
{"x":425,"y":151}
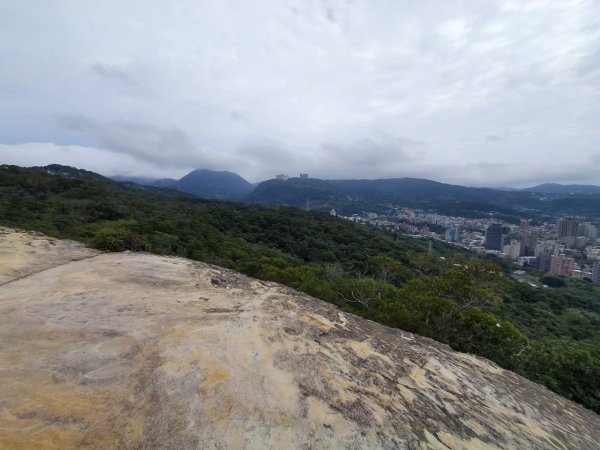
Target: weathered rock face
{"x":22,"y":254}
{"x":140,"y":351}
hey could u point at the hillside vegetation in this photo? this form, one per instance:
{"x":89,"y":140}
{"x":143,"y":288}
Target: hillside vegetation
{"x":355,"y":196}
{"x":551,"y":336}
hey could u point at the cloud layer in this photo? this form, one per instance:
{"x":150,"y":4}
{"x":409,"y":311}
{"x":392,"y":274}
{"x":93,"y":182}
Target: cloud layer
{"x":499,"y":92}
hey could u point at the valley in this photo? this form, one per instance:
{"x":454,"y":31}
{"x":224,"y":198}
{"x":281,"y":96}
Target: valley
{"x":435,"y":290}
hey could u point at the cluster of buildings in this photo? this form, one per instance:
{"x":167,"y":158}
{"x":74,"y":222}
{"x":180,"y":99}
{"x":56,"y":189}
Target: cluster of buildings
{"x":283,"y":176}
{"x":549,"y":248}
{"x":569,"y":248}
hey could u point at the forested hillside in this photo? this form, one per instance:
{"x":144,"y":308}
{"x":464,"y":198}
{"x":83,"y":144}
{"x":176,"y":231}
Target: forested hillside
{"x":354,"y":196}
{"x":551,"y":336}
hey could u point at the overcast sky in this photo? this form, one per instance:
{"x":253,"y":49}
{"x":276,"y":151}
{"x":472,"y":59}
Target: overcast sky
{"x":470,"y":92}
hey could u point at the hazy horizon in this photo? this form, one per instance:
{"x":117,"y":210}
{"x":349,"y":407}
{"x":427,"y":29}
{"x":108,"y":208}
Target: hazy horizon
{"x":121,"y":177}
{"x":496,"y":94}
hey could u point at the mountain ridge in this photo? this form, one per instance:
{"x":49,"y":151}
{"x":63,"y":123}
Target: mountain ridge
{"x":349,"y":197}
{"x":354,"y":196}
{"x":545,"y":202}
{"x":557,"y":188}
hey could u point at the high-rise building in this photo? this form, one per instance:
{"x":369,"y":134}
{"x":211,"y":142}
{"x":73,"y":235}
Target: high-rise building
{"x":514,"y":250}
{"x":590,"y":230}
{"x":304,"y":176}
{"x":494,"y":237}
{"x":562,"y":265}
{"x":544,"y":251}
{"x":524,"y":225}
{"x":528,"y":242}
{"x":567,"y":227}
{"x":452,"y":234}
{"x":543,"y":260}
{"x":596,"y":272}
{"x":547,"y":247}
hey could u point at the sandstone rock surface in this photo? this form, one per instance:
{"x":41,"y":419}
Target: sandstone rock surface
{"x":136,"y":351}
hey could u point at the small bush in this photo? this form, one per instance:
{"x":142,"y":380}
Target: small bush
{"x":118,"y":240}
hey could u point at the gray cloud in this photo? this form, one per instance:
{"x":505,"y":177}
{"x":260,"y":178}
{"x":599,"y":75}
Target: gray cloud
{"x":103,"y":161}
{"x":330,"y":15}
{"x":266,"y":154}
{"x":498,"y":138}
{"x":169,"y":147}
{"x":113,"y":73}
{"x":76,"y":122}
{"x":237,"y":116}
{"x":516,"y":174}
{"x":521,"y":175}
{"x":328,"y":86}
{"x":371,"y":153}
{"x":590,"y":63}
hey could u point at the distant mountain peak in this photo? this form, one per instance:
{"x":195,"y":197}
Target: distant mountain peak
{"x":217,"y":184}
{"x":220,"y":184}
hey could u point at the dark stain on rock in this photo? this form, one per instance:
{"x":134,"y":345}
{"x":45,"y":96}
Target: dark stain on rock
{"x":222,"y":310}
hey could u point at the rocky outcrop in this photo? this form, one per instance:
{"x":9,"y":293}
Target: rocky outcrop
{"x":133,"y":350}
{"x":22,"y":254}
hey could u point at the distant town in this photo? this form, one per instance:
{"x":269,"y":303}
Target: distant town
{"x":568,"y":248}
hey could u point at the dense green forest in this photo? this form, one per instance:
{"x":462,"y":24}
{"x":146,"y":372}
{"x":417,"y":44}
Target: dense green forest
{"x":551,"y":336}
